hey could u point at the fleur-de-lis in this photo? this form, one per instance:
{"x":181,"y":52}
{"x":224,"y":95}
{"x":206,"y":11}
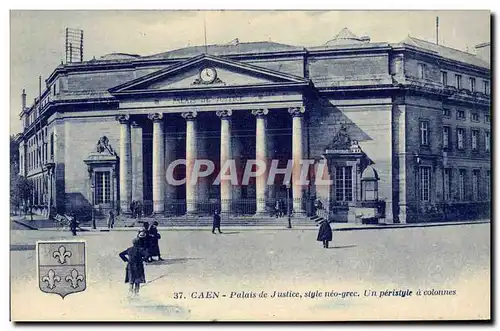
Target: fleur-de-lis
{"x":74,"y":278}
{"x":61,"y":254}
{"x":51,"y":278}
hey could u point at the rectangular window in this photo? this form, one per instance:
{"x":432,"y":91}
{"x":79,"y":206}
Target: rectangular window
{"x":474,"y":139}
{"x":446,"y":137}
{"x":425,"y":183}
{"x":461,"y":114}
{"x":461,"y":184}
{"x":102,"y":187}
{"x":474,"y":117}
{"x":458,"y":81}
{"x":444,"y":78}
{"x":343,"y":183}
{"x":421,"y":71}
{"x":487,"y":141}
{"x":52,"y":145}
{"x":475,"y":185}
{"x":488,"y":184}
{"x":472,"y":84}
{"x":447,"y":180}
{"x":487,"y":118}
{"x":446,"y":112}
{"x":424,"y":133}
{"x":486,"y":85}
{"x":460,"y":138}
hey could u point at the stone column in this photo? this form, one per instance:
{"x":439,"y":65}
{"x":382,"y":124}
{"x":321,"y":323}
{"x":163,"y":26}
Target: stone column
{"x":171,"y":207}
{"x":158,"y":163}
{"x":191,"y":154}
{"x":261,"y":154}
{"x":137,"y":170}
{"x":225,"y":155}
{"x":297,"y":156}
{"x":125,"y":163}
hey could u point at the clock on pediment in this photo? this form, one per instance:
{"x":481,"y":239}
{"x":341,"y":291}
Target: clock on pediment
{"x":207,"y":75}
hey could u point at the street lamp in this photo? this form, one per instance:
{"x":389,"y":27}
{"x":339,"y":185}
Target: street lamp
{"x":93,"y":204}
{"x":288,"y":205}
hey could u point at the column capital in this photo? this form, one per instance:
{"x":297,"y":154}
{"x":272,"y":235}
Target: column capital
{"x":224,"y":114}
{"x":123,"y":118}
{"x":296,"y":111}
{"x":155,"y":117}
{"x":135,"y":125}
{"x":189,"y":115}
{"x":260,"y":112}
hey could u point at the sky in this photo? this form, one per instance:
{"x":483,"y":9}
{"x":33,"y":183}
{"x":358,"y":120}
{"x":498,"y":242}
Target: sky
{"x":37,"y":37}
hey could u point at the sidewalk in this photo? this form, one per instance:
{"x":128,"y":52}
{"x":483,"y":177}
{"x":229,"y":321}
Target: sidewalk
{"x":42,"y":224}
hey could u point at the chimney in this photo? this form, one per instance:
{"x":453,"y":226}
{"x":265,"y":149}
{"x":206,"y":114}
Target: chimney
{"x":23,"y":100}
{"x":483,"y":51}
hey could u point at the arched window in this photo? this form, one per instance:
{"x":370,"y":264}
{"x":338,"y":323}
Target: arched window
{"x":369,"y":184}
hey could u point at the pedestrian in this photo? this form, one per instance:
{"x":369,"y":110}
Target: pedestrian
{"x":134,"y":272}
{"x":325,"y":232}
{"x":132,"y":208}
{"x":144,"y":240}
{"x":73,"y":223}
{"x":282,"y":208}
{"x":216,"y":221}
{"x":154,"y":236}
{"x":138,"y":210}
{"x":277,"y":208}
{"x":111,"y":219}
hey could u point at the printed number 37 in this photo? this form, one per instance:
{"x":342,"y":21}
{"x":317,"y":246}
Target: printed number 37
{"x":177,"y":295}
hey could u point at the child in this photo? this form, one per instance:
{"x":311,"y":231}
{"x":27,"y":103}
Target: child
{"x":134,"y":272}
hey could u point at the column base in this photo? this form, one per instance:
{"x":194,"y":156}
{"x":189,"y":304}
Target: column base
{"x":262,"y":213}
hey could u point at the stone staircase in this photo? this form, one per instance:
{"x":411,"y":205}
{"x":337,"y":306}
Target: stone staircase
{"x":204,"y":221}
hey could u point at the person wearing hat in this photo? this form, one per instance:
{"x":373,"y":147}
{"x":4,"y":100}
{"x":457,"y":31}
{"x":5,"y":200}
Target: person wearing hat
{"x":216,"y":221}
{"x":154,"y":236}
{"x":325,"y":232}
{"x":134,"y":272}
{"x":144,"y":240}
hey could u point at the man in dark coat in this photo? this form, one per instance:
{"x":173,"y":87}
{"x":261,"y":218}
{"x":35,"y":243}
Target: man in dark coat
{"x":325,"y":233}
{"x":73,"y":224}
{"x":144,"y":240}
{"x":134,"y":272}
{"x":216,"y":221}
{"x":154,"y":236}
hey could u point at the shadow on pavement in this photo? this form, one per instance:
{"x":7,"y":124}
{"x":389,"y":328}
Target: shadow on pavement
{"x":345,"y":246}
{"x":22,"y":247}
{"x":233,"y":232}
{"x":173,"y":261}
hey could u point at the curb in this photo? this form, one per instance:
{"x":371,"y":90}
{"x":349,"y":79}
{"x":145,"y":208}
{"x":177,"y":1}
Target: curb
{"x":259,"y":228}
{"x":30,"y":227}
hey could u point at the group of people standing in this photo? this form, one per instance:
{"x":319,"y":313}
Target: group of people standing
{"x":136,"y":209}
{"x":144,"y":247}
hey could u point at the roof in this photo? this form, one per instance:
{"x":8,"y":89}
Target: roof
{"x":226,"y":49}
{"x":346,"y":37}
{"x":118,"y":56}
{"x":446,"y":52}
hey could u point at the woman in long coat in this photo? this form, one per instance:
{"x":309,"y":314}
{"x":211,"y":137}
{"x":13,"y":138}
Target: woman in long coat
{"x":134,"y":272}
{"x":154,"y":236}
{"x":325,"y":233}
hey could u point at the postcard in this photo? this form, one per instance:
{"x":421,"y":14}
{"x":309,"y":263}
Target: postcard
{"x":250,"y":165}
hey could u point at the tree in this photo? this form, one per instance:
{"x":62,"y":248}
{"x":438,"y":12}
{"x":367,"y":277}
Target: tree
{"x":21,"y":192}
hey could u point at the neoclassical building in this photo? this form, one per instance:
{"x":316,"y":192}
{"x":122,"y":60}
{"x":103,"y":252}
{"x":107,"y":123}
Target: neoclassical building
{"x":400,"y":132}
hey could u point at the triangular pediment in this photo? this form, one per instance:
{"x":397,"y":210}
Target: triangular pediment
{"x":207,"y":71}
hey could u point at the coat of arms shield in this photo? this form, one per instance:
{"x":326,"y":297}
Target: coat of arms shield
{"x":61,"y":267}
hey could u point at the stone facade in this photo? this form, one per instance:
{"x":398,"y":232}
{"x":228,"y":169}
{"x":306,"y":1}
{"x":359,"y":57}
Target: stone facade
{"x":268,"y":101}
